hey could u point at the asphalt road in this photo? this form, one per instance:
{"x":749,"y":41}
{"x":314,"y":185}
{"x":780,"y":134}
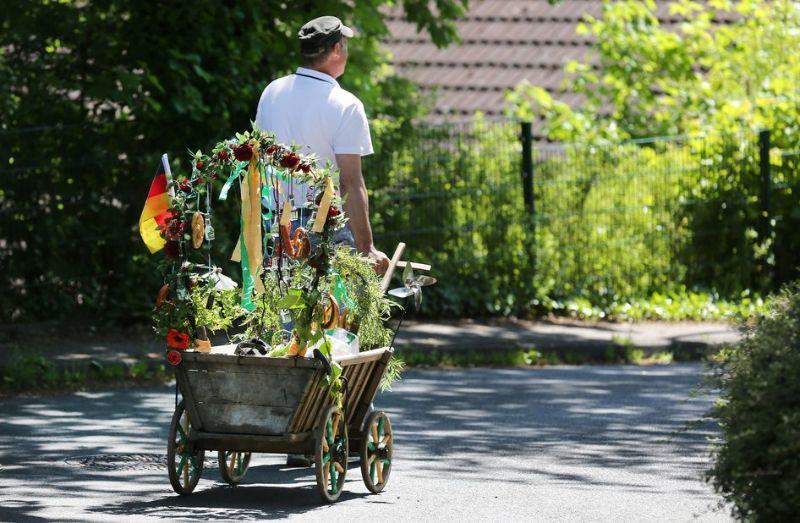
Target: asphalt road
{"x":603,"y":443}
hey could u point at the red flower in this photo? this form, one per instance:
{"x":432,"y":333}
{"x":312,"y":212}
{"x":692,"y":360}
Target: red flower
{"x":175,"y":228}
{"x":244,"y":152}
{"x":223,"y":155}
{"x":306,"y":168}
{"x":174,"y":357}
{"x":177,"y":339}
{"x":333,"y":212}
{"x":171,"y":249}
{"x":185,"y":185}
{"x":200,"y":165}
{"x":271,"y":149}
{"x":290,"y":161}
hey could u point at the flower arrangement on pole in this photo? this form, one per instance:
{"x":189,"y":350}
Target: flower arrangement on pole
{"x":297,"y":287}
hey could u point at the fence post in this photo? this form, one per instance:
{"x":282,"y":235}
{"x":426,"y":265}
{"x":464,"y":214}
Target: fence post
{"x":765,"y":195}
{"x":766,"y":180}
{"x":526,"y":136}
{"x":527,"y":165}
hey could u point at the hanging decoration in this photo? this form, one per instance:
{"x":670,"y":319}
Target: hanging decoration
{"x":297,"y":288}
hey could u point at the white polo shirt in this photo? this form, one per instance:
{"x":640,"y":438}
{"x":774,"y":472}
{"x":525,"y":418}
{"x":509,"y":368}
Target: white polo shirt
{"x":310,"y":109}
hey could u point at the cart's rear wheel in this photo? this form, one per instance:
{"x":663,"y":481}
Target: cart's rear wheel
{"x":233,"y":465}
{"x":376,"y":451}
{"x":184,"y":465}
{"x":330,"y":458}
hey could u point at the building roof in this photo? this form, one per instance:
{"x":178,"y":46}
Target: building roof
{"x":502,"y":43}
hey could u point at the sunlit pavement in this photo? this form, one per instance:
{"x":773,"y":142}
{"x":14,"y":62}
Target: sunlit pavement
{"x":602,"y":443}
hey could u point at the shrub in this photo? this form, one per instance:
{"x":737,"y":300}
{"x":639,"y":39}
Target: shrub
{"x":757,"y":464}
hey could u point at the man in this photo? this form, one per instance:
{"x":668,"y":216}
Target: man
{"x":310,"y":109}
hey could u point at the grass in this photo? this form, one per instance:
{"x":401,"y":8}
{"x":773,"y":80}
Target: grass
{"x":616,"y":353}
{"x":36,"y":373}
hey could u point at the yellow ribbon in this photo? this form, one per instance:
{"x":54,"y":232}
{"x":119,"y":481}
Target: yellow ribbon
{"x":324,"y":207}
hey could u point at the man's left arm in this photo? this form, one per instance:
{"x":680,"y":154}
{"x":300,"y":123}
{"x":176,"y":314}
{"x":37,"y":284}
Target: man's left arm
{"x":356,"y":206}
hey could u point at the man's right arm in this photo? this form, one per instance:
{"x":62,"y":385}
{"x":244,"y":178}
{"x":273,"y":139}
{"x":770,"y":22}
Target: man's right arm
{"x":356,"y":207}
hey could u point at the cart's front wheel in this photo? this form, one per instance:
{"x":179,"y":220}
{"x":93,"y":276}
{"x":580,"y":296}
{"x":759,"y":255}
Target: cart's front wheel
{"x":376,"y":451}
{"x":330,"y":457}
{"x":184,"y":464}
{"x":233,"y":465}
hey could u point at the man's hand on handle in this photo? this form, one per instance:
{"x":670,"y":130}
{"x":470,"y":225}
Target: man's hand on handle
{"x":380,"y":260}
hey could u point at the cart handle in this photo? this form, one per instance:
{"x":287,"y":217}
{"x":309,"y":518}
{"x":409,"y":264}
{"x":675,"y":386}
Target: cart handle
{"x":325,"y":363}
{"x":387,"y":277}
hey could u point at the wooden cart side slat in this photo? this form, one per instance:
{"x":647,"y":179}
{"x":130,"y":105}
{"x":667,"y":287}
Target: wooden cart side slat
{"x":356,"y":387}
{"x":323,"y":403}
{"x":360,"y":363}
{"x":302,"y":410}
{"x":313,"y":407}
{"x":369,"y":355}
{"x":188,"y":398}
{"x":319,"y":403}
{"x":356,"y":374}
{"x":369,"y":393}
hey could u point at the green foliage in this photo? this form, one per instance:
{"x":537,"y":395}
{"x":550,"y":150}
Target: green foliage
{"x":452,"y":194}
{"x":393,"y":373}
{"x":624,"y":227}
{"x":757,"y":463}
{"x":703,"y":194}
{"x":215,"y":309}
{"x":34,"y":373}
{"x":651,"y":229}
{"x":673,"y":306}
{"x":371,"y":307}
{"x":92,"y":93}
{"x":501,"y":357}
{"x":646,"y":79}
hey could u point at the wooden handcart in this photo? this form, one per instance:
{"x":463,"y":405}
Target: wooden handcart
{"x":238,"y":405}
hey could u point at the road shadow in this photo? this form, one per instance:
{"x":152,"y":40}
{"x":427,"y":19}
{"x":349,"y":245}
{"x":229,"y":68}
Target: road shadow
{"x":553,"y":425}
{"x":268,"y":492}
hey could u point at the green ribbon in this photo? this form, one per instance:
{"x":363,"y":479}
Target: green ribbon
{"x":248,"y":282}
{"x":266,"y":192}
{"x":340,"y":293}
{"x":237,"y":170}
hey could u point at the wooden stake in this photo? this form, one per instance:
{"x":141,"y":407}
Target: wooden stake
{"x":414,"y":265}
{"x":387,"y":278}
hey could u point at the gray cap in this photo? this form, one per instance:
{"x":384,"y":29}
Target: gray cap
{"x":321,"y":31}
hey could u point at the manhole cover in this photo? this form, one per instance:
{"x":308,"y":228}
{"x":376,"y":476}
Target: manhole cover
{"x":126,"y":461}
{"x":120,"y":461}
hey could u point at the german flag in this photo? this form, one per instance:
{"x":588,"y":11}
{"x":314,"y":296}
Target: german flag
{"x":155,"y":211}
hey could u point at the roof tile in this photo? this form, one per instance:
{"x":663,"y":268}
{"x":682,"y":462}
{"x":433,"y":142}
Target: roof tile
{"x":502,"y":43}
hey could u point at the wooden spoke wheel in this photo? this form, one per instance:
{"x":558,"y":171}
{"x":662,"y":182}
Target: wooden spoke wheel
{"x":184,"y":464}
{"x":233,"y":465}
{"x":330,"y":458}
{"x":376,"y":451}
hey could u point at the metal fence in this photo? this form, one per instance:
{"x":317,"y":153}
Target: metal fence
{"x":605,"y":223}
{"x":509,"y":224}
